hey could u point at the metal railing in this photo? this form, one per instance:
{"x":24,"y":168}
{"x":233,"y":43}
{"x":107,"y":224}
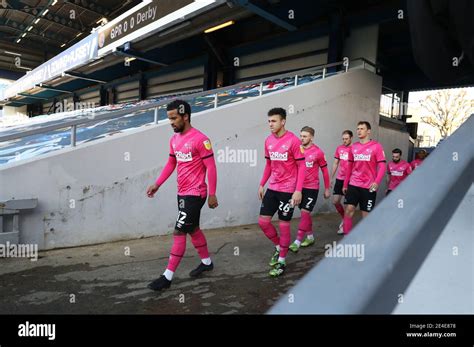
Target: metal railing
{"x":391,"y":104}
{"x":398,"y":237}
{"x":92,"y":116}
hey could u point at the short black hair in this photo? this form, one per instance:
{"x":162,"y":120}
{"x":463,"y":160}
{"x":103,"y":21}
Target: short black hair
{"x":182,"y":106}
{"x":277,"y":110}
{"x":364,"y":122}
{"x":308,"y":129}
{"x":397,"y":150}
{"x":348,"y":132}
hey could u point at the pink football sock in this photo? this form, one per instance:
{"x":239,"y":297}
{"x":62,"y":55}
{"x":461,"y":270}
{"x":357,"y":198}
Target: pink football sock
{"x":177,"y":252}
{"x":269,"y":230}
{"x":347,"y":225}
{"x":285,"y":238}
{"x":340,"y":209}
{"x":199,"y":241}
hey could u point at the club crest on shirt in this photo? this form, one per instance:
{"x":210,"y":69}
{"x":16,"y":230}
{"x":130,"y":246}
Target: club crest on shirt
{"x":207,"y":145}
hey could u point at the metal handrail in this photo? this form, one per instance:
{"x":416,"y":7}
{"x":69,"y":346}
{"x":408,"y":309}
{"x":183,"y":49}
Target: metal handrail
{"x":155,"y":105}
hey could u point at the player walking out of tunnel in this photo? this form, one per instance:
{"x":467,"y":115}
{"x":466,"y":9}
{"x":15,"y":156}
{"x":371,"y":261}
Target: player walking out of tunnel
{"x":314,"y":160}
{"x":398,"y":170}
{"x":419,"y":157}
{"x":191,"y":151}
{"x":365,"y":170}
{"x":341,"y":157}
{"x":285,"y":168}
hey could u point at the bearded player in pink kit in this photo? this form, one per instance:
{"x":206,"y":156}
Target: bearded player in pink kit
{"x":398,"y":170}
{"x":365,"y":171}
{"x":285,"y":167}
{"x":314,"y":160}
{"x":191,"y":151}
{"x":341,"y":157}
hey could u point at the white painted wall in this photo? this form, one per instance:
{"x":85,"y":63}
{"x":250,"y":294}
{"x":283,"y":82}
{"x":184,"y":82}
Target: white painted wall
{"x":92,"y":194}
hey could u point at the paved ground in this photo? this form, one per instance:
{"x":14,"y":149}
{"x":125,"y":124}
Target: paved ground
{"x":102,"y":279}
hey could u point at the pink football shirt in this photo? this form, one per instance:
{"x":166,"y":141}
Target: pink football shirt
{"x":314,"y":159}
{"x":398,"y":172}
{"x":342,"y":153}
{"x":366,"y":158}
{"x":190,"y":149}
{"x":283,"y":153}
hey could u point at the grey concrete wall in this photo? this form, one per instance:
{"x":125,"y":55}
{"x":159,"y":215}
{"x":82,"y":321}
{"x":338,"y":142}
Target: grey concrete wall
{"x":444,"y":284}
{"x":362,"y":43}
{"x":96,"y":192}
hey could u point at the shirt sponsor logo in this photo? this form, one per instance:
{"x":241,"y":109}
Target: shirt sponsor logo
{"x":180,"y":156}
{"x":396,"y":173}
{"x":344,"y":156}
{"x":309,"y":163}
{"x":362,"y":157}
{"x":279,"y":156}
